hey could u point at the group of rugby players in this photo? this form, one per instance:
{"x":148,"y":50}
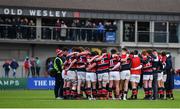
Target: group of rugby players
{"x":107,"y":75}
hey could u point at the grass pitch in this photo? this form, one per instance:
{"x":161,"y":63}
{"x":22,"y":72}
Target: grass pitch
{"x":45,"y":99}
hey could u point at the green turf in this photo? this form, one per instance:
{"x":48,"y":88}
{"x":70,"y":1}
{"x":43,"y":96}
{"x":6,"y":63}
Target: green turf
{"x":45,"y":98}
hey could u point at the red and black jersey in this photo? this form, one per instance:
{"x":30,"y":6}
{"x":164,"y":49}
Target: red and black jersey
{"x":114,"y":61}
{"x":147,"y":64}
{"x":125,"y":65}
{"x":103,"y":64}
{"x":66,"y":64}
{"x":81,"y":61}
{"x":89,"y":64}
{"x":135,"y":62}
{"x":71,"y":59}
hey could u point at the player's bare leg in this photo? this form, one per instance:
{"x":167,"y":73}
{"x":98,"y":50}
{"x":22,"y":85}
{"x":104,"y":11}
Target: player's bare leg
{"x":68,"y":89}
{"x":94,"y":91}
{"x":104,"y":89}
{"x":134,"y":90}
{"x":126,"y":82}
{"x":150,"y":88}
{"x":65,"y":89}
{"x":83,"y":87}
{"x":88,"y":89}
{"x":163,"y":89}
{"x":146,"y":91}
{"x":116,"y":89}
{"x":79,"y":89}
{"x":100,"y":90}
{"x":74,"y":88}
{"x":160,"y":89}
{"x":110,"y":89}
{"x":121,"y":85}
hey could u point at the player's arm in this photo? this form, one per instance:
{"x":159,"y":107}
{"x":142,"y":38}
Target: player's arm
{"x":137,"y":68}
{"x":147,"y":67}
{"x":97,"y":59}
{"x":70,"y":54}
{"x":83,"y":53}
{"x":91,"y":66}
{"x":116,"y":66}
{"x":65,"y":62}
{"x":72,"y":63}
{"x":82,"y":66}
{"x":92,"y":59}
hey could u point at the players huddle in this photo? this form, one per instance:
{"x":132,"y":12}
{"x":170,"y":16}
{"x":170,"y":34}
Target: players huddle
{"x":108,"y":75}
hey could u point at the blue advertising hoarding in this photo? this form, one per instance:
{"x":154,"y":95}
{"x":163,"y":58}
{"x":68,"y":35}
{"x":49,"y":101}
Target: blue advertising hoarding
{"x":177,"y":82}
{"x":110,"y":37}
{"x":44,"y":83}
{"x":40,"y":83}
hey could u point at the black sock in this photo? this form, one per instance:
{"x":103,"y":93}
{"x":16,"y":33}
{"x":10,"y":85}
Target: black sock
{"x":146,"y":92}
{"x":110,"y":92}
{"x":94,"y":93}
{"x":150,"y":91}
{"x":88,"y":92}
{"x":125,"y":92}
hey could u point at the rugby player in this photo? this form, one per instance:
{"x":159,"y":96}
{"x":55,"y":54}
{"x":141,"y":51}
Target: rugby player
{"x":91,"y":77}
{"x":71,"y":73}
{"x":125,"y":73}
{"x":147,"y":74}
{"x":103,"y":73}
{"x":114,"y":75}
{"x":135,"y":73}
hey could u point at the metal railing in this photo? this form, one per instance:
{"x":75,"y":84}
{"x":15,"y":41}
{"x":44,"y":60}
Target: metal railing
{"x":17,"y":32}
{"x":25,"y":32}
{"x":143,"y":36}
{"x":154,"y":37}
{"x":53,"y":33}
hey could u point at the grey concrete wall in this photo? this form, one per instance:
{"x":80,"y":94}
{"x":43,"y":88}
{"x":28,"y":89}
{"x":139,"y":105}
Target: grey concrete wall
{"x":41,"y":51}
{"x":11,"y":47}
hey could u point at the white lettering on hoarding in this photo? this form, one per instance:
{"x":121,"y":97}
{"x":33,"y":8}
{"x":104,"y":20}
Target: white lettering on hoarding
{"x":51,"y":82}
{"x":6,"y":11}
{"x":57,"y":13}
{"x":32,"y":12}
{"x":6,"y":82}
{"x":40,"y":82}
{"x":64,"y":13}
{"x":13,"y":11}
{"x":19,"y":11}
{"x":177,"y":82}
{"x":51,"y":14}
{"x":45,"y":13}
{"x":9,"y":82}
{"x":17,"y":83}
{"x":38,"y":12}
{"x":1,"y":83}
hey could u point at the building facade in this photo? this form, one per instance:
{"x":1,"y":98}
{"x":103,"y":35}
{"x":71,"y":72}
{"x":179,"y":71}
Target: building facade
{"x":35,"y":29}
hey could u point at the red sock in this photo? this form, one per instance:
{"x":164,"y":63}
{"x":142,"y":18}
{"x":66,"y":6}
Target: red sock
{"x":94,"y":93}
